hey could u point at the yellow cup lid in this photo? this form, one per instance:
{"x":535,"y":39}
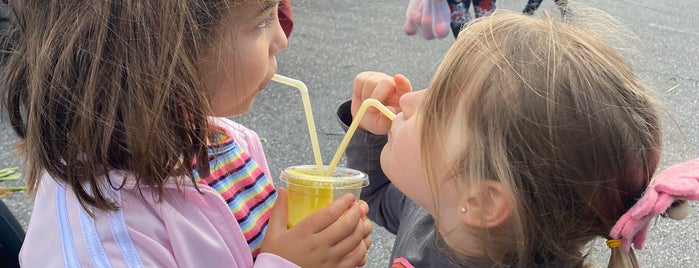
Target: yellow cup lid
{"x":309,"y":176}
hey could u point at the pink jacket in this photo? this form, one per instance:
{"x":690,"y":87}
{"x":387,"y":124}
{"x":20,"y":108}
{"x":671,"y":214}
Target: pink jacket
{"x":185,"y":229}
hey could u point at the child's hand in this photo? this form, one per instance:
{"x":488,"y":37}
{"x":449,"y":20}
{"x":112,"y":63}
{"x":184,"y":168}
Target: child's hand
{"x":334,"y":236}
{"x":383,"y":88}
{"x":368,"y":226}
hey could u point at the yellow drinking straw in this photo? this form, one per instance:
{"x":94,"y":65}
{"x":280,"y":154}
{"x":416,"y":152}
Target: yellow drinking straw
{"x":309,"y":115}
{"x":305,"y":198}
{"x":353,"y":127}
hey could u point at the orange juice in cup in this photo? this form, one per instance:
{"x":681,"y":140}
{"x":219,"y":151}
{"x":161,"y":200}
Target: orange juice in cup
{"x":310,"y":189}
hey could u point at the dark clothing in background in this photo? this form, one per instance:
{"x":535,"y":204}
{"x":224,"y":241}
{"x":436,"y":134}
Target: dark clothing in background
{"x":11,"y":237}
{"x":533,"y":5}
{"x":460,"y":12}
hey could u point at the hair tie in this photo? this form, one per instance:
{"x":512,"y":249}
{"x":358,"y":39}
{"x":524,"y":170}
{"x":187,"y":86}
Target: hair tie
{"x":678,"y":182}
{"x":613,"y":243}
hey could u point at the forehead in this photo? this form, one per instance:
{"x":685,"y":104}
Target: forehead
{"x":252,"y":8}
{"x":238,"y":15}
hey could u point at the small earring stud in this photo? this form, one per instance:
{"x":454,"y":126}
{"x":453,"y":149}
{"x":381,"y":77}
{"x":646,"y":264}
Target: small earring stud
{"x":463,"y":209}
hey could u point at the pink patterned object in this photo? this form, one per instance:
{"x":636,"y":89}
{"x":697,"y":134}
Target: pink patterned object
{"x":678,"y":182}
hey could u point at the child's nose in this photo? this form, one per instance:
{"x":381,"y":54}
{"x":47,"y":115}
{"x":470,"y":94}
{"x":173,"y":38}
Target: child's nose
{"x":280,"y":40}
{"x":410,"y":101}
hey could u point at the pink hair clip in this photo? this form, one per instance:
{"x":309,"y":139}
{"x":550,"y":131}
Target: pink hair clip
{"x":679,"y":182}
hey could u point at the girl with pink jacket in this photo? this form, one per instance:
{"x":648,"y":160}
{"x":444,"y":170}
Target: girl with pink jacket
{"x":117,"y":105}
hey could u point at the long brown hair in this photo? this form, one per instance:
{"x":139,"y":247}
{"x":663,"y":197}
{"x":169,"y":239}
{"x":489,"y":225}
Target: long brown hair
{"x":91,"y":86}
{"x":558,"y":117}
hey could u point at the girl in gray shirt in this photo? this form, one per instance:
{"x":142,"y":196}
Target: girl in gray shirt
{"x":533,"y":138}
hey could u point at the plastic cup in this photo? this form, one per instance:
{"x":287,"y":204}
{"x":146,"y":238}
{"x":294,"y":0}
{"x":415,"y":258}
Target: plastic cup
{"x":310,"y":189}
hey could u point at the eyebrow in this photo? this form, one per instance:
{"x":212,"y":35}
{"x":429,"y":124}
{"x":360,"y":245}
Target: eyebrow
{"x":266,"y":6}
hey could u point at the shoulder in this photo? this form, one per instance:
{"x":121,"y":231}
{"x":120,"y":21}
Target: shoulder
{"x":242,"y":135}
{"x":246,"y":138}
{"x":143,"y":224}
{"x":232,"y":128}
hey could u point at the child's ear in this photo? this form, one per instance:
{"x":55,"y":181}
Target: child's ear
{"x":490,"y":207}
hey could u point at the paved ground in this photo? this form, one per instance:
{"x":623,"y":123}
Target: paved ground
{"x":334,"y":40}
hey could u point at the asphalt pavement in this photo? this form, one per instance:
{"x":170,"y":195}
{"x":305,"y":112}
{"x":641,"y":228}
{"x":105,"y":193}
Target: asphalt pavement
{"x":332,"y":41}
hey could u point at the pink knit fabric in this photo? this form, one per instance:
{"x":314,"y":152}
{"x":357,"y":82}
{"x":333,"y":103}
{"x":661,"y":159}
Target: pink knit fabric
{"x":678,"y":182}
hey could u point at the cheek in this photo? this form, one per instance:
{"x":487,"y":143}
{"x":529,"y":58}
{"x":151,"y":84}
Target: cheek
{"x":398,"y":161}
{"x":400,"y":156}
{"x":218,"y":76}
{"x":221,"y":91}
{"x":401,"y":161}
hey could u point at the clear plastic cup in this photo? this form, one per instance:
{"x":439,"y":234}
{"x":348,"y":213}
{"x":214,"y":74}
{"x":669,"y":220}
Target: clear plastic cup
{"x":309,"y":189}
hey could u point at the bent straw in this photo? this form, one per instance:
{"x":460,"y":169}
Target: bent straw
{"x":309,"y":115}
{"x":353,"y":127}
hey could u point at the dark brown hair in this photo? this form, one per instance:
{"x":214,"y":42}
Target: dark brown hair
{"x":91,"y":86}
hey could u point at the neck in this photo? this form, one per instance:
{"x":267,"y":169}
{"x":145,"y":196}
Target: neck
{"x":479,"y":243}
{"x":463,"y":241}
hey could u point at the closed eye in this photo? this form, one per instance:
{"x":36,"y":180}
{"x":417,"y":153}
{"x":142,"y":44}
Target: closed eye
{"x":270,"y":9}
{"x":267,"y":20}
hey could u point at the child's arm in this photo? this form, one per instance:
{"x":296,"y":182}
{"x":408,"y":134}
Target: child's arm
{"x":363,"y":153}
{"x":334,"y":236}
{"x":364,"y":149}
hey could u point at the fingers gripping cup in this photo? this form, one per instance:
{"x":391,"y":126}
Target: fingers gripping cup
{"x":310,"y":189}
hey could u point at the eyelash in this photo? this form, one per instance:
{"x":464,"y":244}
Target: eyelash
{"x":264,"y":23}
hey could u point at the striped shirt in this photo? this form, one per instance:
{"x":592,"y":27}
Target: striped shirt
{"x":248,"y":192}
